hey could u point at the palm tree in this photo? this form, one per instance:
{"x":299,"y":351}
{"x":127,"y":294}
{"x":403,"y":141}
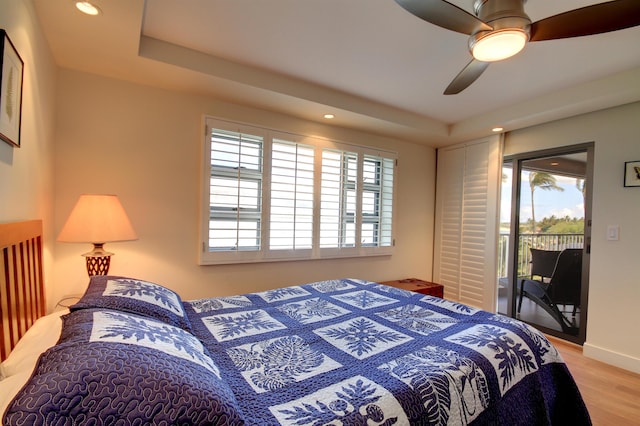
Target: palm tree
{"x":544,"y":181}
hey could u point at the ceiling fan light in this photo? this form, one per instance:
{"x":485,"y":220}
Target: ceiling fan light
{"x":498,"y":45}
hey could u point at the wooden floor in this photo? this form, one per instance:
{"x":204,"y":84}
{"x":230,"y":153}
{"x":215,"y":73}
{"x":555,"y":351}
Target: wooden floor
{"x":612,"y":394}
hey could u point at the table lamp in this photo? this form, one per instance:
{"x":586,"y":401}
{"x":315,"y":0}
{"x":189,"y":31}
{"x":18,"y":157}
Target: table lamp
{"x":97,"y":219}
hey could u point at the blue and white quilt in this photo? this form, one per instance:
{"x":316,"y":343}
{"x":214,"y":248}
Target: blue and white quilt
{"x":352,"y":352}
{"x":113,"y":367}
{"x":341,"y":352}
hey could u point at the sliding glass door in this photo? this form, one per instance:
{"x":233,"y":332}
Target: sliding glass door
{"x":543,"y":247}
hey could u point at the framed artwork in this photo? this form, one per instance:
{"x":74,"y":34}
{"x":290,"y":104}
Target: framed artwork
{"x":11,"y":73}
{"x":632,"y":173}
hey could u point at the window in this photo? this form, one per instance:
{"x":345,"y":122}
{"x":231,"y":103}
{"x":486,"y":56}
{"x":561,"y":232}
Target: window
{"x":339,"y":200}
{"x":235,"y":191}
{"x":276,"y":196}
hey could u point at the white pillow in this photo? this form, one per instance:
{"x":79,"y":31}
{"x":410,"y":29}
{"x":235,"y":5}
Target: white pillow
{"x":43,"y":334}
{"x":9,"y":387}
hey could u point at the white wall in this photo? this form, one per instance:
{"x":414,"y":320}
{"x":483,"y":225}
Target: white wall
{"x":144,"y":144}
{"x":26,"y":173}
{"x":614,"y":284}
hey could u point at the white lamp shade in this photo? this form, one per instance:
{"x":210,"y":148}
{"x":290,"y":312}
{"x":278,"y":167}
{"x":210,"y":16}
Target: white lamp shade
{"x":97,"y":219}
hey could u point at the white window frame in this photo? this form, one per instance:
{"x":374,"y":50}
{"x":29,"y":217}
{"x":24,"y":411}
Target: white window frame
{"x":387,"y":183}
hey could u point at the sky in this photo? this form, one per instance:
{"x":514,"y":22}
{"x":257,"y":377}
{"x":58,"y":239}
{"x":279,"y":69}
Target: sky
{"x":548,"y":202}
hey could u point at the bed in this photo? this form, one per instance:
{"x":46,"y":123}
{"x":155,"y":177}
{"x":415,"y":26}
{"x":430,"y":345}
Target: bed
{"x":339,"y":352}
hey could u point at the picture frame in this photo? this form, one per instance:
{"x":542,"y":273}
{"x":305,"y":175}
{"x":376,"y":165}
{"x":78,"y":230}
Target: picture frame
{"x":11,"y":77}
{"x":632,"y":173}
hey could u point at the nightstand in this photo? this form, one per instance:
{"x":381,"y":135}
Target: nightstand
{"x":419,"y":286}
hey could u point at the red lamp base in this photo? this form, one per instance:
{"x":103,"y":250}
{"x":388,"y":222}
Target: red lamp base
{"x":98,"y":260}
{"x":98,"y":265}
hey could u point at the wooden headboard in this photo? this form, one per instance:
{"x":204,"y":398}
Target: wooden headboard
{"x":22,"y":299}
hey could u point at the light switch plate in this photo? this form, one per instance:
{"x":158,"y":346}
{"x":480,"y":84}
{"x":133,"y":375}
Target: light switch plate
{"x":613,"y":232}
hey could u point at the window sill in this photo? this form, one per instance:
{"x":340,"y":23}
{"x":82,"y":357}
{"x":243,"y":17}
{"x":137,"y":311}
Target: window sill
{"x":226,"y":258}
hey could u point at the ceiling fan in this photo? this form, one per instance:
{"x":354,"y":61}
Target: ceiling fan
{"x":501,"y":28}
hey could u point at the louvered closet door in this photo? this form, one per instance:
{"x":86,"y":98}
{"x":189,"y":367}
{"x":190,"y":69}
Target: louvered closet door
{"x":466,"y":222}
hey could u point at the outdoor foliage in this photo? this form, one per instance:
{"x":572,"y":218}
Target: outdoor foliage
{"x":555,"y":225}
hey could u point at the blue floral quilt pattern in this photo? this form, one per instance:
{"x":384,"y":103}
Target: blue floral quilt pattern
{"x":134,"y":296}
{"x":117,"y":368}
{"x":353,"y":352}
{"x":145,"y":291}
{"x":119,"y":327}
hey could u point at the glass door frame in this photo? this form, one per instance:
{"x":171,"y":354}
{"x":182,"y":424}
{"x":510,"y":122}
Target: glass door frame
{"x":512,"y":259}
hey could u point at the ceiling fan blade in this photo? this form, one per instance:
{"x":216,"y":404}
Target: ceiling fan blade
{"x":468,"y":75}
{"x":595,"y":19}
{"x":445,"y":15}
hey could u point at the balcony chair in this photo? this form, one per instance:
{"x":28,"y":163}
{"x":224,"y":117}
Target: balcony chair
{"x":563,"y":288}
{"x":543,"y":262}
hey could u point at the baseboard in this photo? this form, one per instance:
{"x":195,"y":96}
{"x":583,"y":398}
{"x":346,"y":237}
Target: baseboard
{"x":613,"y":358}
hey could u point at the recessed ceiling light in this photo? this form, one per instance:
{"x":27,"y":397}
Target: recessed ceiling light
{"x":329,"y":116}
{"x":88,"y":8}
{"x":555,"y":163}
{"x":497,"y":129}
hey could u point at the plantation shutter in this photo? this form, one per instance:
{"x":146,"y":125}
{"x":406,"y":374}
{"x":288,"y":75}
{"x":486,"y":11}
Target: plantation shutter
{"x":235,"y":191}
{"x":377,"y":200}
{"x":271,"y":196}
{"x":291,"y":196}
{"x":356,"y":200}
{"x":466,"y":221}
{"x":337,"y":200}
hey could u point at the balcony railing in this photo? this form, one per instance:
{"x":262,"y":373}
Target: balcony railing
{"x":538,"y":241}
